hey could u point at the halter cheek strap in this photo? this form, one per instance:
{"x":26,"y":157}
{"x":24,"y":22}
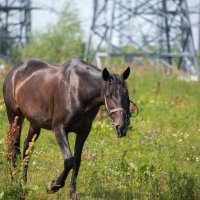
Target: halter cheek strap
{"x":113,"y":110}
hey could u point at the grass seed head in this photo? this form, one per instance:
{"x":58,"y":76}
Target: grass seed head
{"x":11,"y":139}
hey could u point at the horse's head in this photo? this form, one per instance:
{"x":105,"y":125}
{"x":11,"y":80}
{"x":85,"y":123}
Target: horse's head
{"x":116,"y":100}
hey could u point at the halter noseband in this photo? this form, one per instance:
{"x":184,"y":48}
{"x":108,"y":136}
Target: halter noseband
{"x":113,"y":110}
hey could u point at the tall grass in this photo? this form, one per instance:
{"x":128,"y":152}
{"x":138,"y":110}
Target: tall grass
{"x":158,"y":160}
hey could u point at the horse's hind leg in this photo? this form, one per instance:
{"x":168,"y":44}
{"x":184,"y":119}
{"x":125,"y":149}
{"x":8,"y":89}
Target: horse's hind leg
{"x":13,"y":136}
{"x":32,"y":136}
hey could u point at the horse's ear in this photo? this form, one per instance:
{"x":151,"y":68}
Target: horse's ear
{"x":105,"y":74}
{"x":126,"y":73}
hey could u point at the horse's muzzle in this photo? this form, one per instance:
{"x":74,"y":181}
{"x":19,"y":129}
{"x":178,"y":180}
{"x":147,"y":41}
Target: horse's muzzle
{"x":121,"y":131}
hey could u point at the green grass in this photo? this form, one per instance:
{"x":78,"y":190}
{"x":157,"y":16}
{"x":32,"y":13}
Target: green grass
{"x":159,"y":158}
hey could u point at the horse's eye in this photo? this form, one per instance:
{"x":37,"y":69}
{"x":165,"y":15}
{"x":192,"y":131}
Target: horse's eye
{"x":111,"y":79}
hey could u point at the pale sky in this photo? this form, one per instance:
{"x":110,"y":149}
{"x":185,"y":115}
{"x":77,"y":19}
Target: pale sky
{"x":41,"y":18}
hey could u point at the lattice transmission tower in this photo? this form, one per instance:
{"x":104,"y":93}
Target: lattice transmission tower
{"x":15,"y":24}
{"x":159,"y":30}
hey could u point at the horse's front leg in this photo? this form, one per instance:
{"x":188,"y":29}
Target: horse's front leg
{"x":62,"y":139}
{"x":80,"y":140}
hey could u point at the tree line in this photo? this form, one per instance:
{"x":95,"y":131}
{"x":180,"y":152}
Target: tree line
{"x":57,"y":43}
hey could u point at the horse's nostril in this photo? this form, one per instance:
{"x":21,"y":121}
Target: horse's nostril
{"x":121,"y":130}
{"x":118,"y":128}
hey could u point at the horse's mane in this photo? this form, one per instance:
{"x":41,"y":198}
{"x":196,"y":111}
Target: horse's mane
{"x":82,"y":64}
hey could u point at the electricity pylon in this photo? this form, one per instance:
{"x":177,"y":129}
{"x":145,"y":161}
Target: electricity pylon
{"x":159,"y":30}
{"x":15,"y":24}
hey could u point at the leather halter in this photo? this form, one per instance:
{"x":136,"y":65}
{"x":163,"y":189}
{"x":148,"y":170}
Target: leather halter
{"x":113,"y":110}
{"x":110,"y":111}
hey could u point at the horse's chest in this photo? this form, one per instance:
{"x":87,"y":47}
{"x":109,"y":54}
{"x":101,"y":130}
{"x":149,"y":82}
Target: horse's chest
{"x":83,"y":121}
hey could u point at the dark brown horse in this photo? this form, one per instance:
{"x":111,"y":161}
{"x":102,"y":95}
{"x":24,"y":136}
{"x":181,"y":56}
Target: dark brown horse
{"x":64,"y":98}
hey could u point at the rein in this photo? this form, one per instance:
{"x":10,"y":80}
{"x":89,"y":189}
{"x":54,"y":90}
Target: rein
{"x":137,"y":109}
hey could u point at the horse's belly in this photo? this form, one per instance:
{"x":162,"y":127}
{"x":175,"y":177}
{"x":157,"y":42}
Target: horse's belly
{"x":37,"y":117}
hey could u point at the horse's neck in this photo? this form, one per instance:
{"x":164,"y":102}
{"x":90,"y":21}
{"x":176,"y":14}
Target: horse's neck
{"x":99,"y":98}
{"x":94,"y":76}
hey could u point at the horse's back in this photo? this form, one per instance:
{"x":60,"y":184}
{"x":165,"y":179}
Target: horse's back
{"x":30,"y":67}
{"x":24,"y":72}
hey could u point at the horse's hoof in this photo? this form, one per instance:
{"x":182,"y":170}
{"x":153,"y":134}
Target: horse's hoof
{"x":53,"y":187}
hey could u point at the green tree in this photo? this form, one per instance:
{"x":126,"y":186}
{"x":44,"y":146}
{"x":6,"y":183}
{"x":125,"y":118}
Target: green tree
{"x":16,"y":53}
{"x":60,"y":41}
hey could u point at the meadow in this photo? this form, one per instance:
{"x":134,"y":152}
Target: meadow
{"x":159,"y":159}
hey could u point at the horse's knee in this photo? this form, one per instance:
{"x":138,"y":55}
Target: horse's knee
{"x":76,"y":163}
{"x":68,"y":163}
